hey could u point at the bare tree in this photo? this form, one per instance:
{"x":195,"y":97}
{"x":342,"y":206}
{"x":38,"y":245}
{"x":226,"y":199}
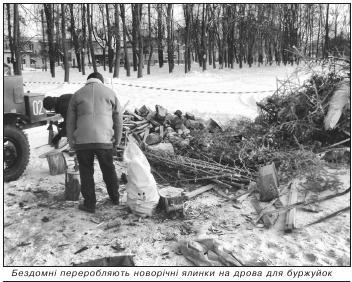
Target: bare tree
{"x":64,"y":45}
{"x":150,"y":41}
{"x":16,"y":42}
{"x":187,"y":10}
{"x":170,"y":37}
{"x":9,"y":29}
{"x":124,"y":34}
{"x":326,"y":42}
{"x":109,"y":39}
{"x":117,"y":43}
{"x":44,"y":54}
{"x":75,"y":37}
{"x":160,"y":36}
{"x":137,"y":16}
{"x":90,"y":38}
{"x":84,"y":39}
{"x":48,"y":9}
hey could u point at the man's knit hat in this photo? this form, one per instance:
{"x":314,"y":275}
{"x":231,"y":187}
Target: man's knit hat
{"x":96,"y":75}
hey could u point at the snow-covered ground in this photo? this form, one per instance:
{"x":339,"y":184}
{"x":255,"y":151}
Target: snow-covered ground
{"x":41,"y":229}
{"x":220,"y":106}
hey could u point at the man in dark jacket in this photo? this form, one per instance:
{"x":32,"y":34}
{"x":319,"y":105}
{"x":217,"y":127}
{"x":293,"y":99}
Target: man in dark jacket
{"x":94,"y":128}
{"x":59,"y":105}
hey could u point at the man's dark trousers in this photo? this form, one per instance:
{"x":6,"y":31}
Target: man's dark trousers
{"x":86,"y":169}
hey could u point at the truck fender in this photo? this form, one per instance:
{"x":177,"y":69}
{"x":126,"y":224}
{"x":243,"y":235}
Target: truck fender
{"x":15,"y":119}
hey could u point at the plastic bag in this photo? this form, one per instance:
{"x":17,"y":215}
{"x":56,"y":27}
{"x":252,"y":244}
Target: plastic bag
{"x":142,"y":193}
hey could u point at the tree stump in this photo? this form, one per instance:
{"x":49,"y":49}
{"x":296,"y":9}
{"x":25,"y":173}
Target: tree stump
{"x":72,"y":185}
{"x":56,"y":162}
{"x":171,"y":198}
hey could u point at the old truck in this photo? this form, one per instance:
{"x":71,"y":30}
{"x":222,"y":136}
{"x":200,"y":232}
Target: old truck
{"x":21,"y":111}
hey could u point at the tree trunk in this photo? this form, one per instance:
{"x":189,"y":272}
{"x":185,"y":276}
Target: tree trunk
{"x":326,"y":42}
{"x":75,"y":38}
{"x":134,"y":40}
{"x":109,"y":41}
{"x":44,"y":56}
{"x":204,"y":37}
{"x":187,"y":10}
{"x":150,"y":41}
{"x":170,"y":44}
{"x":160,"y":36}
{"x":84,"y":40}
{"x":48,"y":9}
{"x":319,"y":27}
{"x":90,"y":39}
{"x":16,"y":40}
{"x":241,"y":35}
{"x":117,"y":44}
{"x":124,"y":34}
{"x":9,"y":29}
{"x":64,"y":46}
{"x":138,"y":8}
{"x":57,"y":32}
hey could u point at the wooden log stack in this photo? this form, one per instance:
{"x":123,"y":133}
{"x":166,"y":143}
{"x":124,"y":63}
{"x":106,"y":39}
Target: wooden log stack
{"x":158,"y":126}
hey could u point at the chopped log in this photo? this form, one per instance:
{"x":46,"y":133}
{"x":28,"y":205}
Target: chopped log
{"x":290,"y":221}
{"x":190,"y":116}
{"x":162,"y":148}
{"x":169,"y":119}
{"x":138,"y":123}
{"x":153,"y":139}
{"x":146,"y":133}
{"x":215,"y":125}
{"x":196,"y":192}
{"x":177,"y":123}
{"x":135,"y":115}
{"x":161,"y":113}
{"x":266,"y":219}
{"x":56,"y":162}
{"x":268,"y":183}
{"x":142,"y":127}
{"x":171,"y":198}
{"x":151,"y":115}
{"x":178,"y":113}
{"x":144,"y":111}
{"x":72,"y":185}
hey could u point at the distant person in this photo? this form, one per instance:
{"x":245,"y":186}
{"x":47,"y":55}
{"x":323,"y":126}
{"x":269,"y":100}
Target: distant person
{"x":59,"y":105}
{"x":94,"y":128}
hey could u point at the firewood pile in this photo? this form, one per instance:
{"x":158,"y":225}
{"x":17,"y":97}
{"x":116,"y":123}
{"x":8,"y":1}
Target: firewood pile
{"x":155,"y":126}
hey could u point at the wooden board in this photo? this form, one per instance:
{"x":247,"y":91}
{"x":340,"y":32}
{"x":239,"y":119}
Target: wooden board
{"x":196,"y":192}
{"x":290,"y":221}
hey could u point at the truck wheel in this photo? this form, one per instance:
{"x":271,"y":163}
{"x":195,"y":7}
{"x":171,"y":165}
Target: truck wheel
{"x":16,"y":152}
